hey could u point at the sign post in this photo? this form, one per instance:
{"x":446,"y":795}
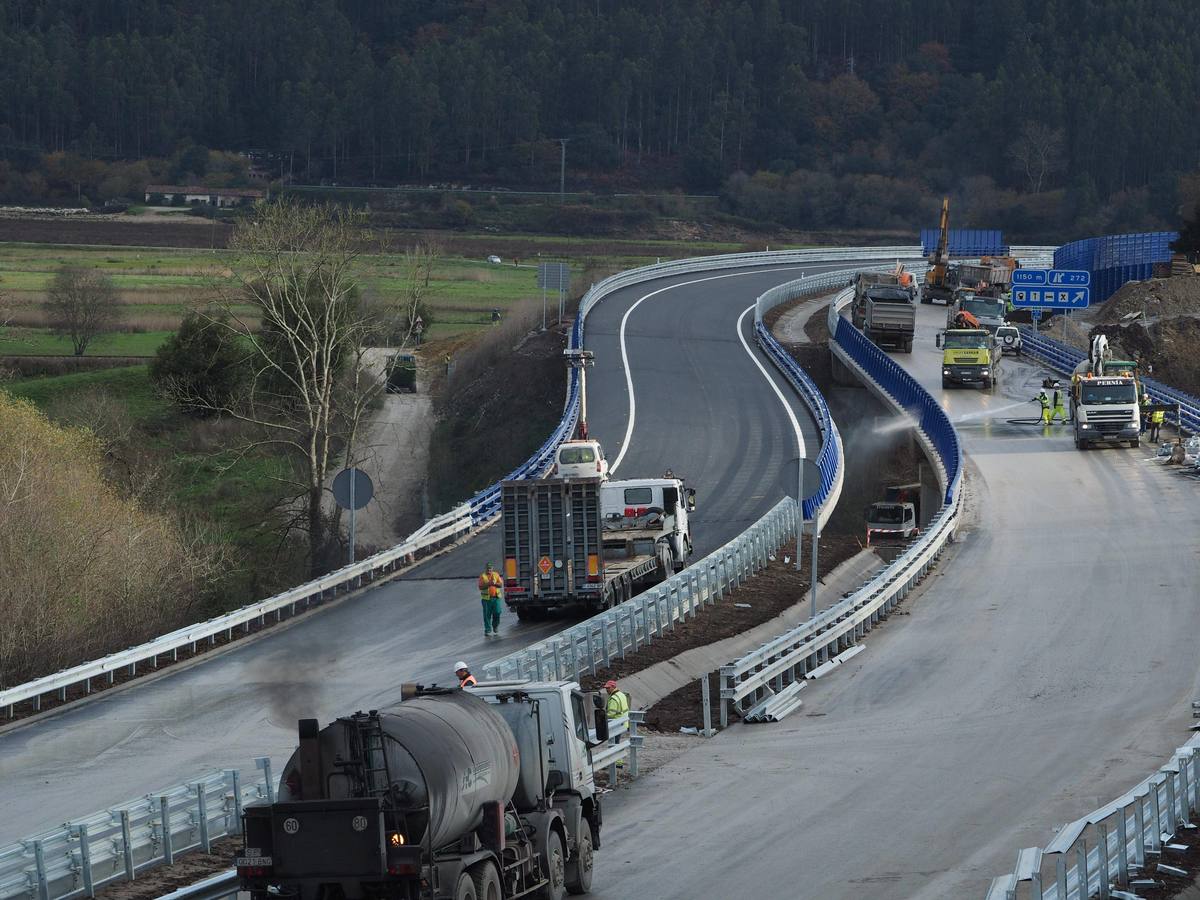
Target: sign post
{"x":352,"y":489}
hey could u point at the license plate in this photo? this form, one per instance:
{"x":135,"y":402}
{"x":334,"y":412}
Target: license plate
{"x":255,"y":862}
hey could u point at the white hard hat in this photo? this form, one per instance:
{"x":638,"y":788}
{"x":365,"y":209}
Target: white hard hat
{"x":460,"y":665}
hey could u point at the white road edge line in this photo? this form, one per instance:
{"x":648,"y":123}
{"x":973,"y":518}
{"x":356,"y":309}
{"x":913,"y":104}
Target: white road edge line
{"x":629,"y":373}
{"x":800,"y":447}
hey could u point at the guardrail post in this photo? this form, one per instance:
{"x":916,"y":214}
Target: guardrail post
{"x":1060,"y":875}
{"x":39,"y":860}
{"x":1156,"y":823}
{"x":1139,"y":822}
{"x":726,"y":687}
{"x":235,"y":778}
{"x":127,"y":845}
{"x":1172,"y":821}
{"x":1185,"y":791}
{"x":1122,"y":848}
{"x":633,"y":636}
{"x":202,"y":815}
{"x":1103,"y":857}
{"x":263,"y":763}
{"x":636,"y":717}
{"x":604,"y":640}
{"x":705,"y":701}
{"x":1081,"y":869}
{"x":164,"y":812}
{"x":591,"y":651}
{"x":557,"y":662}
{"x":85,"y":860}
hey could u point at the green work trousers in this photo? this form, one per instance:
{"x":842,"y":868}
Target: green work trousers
{"x":491,"y":614}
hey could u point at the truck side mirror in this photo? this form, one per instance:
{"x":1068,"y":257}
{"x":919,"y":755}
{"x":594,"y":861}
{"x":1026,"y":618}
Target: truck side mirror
{"x":600,"y":714}
{"x":691,"y":499}
{"x":938,"y":340}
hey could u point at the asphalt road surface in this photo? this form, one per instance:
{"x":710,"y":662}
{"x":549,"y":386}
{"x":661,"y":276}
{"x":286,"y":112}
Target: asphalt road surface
{"x":702,"y":408}
{"x":1046,"y":668}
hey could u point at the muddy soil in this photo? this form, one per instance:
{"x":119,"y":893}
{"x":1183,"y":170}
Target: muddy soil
{"x":187,"y":869}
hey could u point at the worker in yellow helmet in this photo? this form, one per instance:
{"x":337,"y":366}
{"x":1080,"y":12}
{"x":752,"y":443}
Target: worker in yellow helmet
{"x":491,"y":589}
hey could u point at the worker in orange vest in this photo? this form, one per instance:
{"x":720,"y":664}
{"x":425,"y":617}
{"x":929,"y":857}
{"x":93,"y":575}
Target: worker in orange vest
{"x":463,"y":674}
{"x":491,"y":588}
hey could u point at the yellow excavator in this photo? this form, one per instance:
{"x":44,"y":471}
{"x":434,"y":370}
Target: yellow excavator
{"x":941,"y":280}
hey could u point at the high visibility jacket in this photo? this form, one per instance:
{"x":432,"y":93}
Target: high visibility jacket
{"x":1157,"y":416}
{"x":469,"y":681}
{"x":1044,"y":400}
{"x":490,"y":584}
{"x":618,"y":705}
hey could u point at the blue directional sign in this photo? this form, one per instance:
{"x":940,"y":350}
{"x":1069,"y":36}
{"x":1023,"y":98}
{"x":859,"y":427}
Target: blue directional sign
{"x":1051,"y":288}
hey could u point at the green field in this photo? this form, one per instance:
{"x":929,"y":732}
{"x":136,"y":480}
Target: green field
{"x":158,"y":286}
{"x":130,"y":383}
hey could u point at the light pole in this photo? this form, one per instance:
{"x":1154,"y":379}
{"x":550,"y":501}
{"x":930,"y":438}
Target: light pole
{"x":807,"y":471}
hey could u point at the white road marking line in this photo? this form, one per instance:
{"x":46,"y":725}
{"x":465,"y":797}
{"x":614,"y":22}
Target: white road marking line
{"x":771,"y":381}
{"x":625,"y":352}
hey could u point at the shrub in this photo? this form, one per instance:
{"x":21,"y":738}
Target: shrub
{"x":201,"y":367}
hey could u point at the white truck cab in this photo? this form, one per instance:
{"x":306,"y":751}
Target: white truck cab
{"x":650,"y":506}
{"x":580,"y":459}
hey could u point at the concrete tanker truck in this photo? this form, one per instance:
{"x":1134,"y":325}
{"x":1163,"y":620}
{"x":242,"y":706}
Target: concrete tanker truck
{"x":477,"y":794}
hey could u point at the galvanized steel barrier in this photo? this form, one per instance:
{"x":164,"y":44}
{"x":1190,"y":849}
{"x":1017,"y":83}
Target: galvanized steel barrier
{"x":1064,"y":358}
{"x":1090,"y":856}
{"x":116,"y":844}
{"x":765,"y":684}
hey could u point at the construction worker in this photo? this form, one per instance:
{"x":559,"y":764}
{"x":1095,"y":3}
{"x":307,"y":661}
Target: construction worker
{"x":1045,"y":402}
{"x":1145,"y":411}
{"x":618,"y":701}
{"x":1156,"y":420}
{"x":465,"y":678}
{"x":491,"y":588}
{"x":1060,"y":412}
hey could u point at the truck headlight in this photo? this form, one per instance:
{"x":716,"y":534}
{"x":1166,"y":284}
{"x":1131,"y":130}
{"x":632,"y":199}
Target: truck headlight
{"x":1084,"y":425}
{"x":983,"y":371}
{"x":945,"y":371}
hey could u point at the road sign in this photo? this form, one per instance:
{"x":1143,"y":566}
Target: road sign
{"x":1057,"y":295}
{"x":554,"y":276}
{"x":544,"y":565}
{"x":356,"y":495}
{"x":1028,"y":276}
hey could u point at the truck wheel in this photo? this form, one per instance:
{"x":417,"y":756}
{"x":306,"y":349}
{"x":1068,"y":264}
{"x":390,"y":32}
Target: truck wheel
{"x":465,"y":889}
{"x":579,"y":870}
{"x":556,"y":869}
{"x":487,"y":881}
{"x":530,"y":614}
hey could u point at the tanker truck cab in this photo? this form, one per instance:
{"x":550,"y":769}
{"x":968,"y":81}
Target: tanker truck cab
{"x":1105,"y":408}
{"x":445,"y":795}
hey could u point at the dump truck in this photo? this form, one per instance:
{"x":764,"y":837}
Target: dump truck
{"x":883,"y":308}
{"x":988,"y":311}
{"x":969,"y":356}
{"x":1105,"y":396}
{"x":896,"y":518}
{"x":590,"y":542}
{"x":447,"y":794}
{"x":990,"y":277}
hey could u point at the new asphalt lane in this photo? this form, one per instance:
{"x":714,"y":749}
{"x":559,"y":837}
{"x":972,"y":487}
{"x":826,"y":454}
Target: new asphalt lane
{"x":1045,"y":668}
{"x":702,"y":409}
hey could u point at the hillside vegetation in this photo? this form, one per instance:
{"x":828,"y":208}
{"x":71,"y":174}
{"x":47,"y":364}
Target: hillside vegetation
{"x":1046,"y":119}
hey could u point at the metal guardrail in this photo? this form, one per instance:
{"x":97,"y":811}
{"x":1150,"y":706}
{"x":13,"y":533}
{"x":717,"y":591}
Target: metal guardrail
{"x":439,"y":531}
{"x":763,"y":683}
{"x":1064,"y":358}
{"x":116,"y":844}
{"x":1091,"y":855}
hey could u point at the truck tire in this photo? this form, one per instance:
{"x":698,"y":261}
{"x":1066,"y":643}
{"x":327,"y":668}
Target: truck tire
{"x":579,"y":870}
{"x":530,"y":614}
{"x":465,"y":889}
{"x":555,"y":862}
{"x":487,"y":881}
{"x":666,"y":565}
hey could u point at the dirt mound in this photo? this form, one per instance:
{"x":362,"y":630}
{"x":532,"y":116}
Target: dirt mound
{"x":1168,"y":347}
{"x":1158,"y":297}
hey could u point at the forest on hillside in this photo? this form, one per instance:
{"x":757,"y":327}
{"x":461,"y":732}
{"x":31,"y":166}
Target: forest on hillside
{"x":1036,"y":115}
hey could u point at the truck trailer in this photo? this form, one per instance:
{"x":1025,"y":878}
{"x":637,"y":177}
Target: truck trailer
{"x":590,"y":542}
{"x":450,"y":794}
{"x":883,"y":309}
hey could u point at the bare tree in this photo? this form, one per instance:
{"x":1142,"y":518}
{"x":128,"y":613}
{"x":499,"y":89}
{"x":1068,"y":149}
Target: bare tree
{"x":82,"y":305}
{"x":1037,"y":153}
{"x":309,"y":385}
